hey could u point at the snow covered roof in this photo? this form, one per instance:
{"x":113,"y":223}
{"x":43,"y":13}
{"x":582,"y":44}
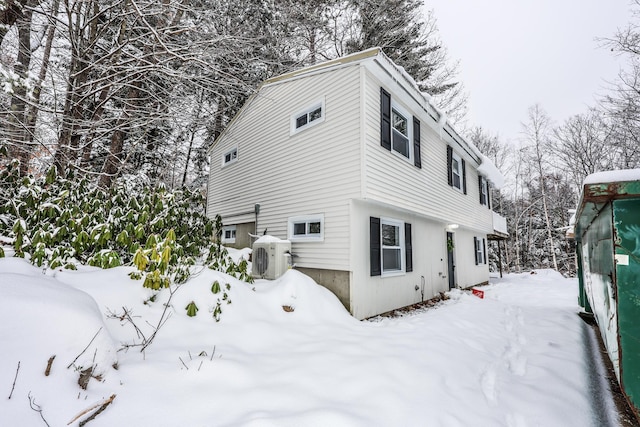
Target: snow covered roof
{"x":623,"y":175}
{"x":491,"y":172}
{"x":343,"y":60}
{"x":376,"y":54}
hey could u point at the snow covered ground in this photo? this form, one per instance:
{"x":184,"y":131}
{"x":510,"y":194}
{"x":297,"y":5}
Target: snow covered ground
{"x":519,"y":357}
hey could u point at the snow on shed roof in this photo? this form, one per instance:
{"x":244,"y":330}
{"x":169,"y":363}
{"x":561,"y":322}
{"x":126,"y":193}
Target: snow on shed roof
{"x":622,"y":175}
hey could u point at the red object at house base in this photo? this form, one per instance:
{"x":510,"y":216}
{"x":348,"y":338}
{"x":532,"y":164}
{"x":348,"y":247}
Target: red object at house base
{"x":478,"y":293}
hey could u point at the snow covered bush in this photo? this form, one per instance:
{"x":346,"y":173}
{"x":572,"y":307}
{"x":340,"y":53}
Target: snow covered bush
{"x":58,"y":221}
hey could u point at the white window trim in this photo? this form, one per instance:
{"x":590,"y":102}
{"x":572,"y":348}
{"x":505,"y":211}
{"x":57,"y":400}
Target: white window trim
{"x":455,"y":156}
{"x":233,"y":159}
{"x":312,"y":107}
{"x":485,"y":190}
{"x":306,"y":219}
{"x":409,"y":117}
{"x":229,"y":228}
{"x":480,"y":256}
{"x":400,"y":225}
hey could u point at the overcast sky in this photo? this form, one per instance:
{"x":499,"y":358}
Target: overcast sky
{"x":515,"y":53}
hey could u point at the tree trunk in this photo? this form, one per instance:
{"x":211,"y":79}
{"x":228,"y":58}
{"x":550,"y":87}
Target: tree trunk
{"x":32,"y":112}
{"x":9,"y":15}
{"x":17,"y":132}
{"x":545,"y":208}
{"x":70,"y":135}
{"x":113,"y":162}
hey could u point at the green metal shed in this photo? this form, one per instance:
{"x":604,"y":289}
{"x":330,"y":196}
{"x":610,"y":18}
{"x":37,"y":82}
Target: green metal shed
{"x":607,"y":233}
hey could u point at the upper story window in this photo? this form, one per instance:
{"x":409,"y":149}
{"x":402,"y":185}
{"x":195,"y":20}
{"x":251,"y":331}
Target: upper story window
{"x":230,"y":156}
{"x":456,"y":170}
{"x":399,"y":131}
{"x":483,"y":188}
{"x":306,"y":228}
{"x":457,"y":177}
{"x":308,"y":117}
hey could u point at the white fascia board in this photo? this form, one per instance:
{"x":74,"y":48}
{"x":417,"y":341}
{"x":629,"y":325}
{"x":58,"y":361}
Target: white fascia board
{"x":418,"y":214}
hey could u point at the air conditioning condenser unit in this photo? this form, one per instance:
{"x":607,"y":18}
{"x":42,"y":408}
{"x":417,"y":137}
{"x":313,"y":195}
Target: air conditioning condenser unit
{"x":270,"y":259}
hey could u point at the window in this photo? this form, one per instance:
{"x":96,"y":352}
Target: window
{"x":306,"y":228}
{"x":390,"y":246}
{"x":398,"y":132}
{"x":480,"y":250}
{"x":483,"y":188}
{"x":308,"y":117}
{"x":400,"y":126}
{"x":230,"y":156}
{"x":456,"y":171}
{"x":229,"y":234}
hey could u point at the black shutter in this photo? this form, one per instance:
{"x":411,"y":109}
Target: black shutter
{"x":464,"y":178}
{"x":375,"y":247}
{"x":416,"y":142}
{"x":408,"y":248}
{"x":484,"y":250}
{"x":488,"y":196}
{"x":480,"y":190}
{"x":385,"y":119}
{"x":475,"y":249}
{"x":449,"y":161}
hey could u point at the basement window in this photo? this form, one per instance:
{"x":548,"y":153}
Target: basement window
{"x":229,"y":234}
{"x":306,"y":228}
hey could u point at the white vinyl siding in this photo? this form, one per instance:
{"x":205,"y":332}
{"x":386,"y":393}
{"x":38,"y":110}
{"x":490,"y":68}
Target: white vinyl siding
{"x":392,"y":180}
{"x":317,"y":170}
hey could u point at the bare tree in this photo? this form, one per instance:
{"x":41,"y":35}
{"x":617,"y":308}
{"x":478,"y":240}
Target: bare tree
{"x":537,"y":131}
{"x":622,"y":105}
{"x":582,"y":145}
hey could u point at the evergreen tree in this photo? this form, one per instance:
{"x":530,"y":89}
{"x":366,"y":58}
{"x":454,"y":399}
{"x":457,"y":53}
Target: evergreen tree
{"x":409,"y":38}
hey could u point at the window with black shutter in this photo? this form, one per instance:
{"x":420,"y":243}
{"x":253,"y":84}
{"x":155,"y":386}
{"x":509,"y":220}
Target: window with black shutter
{"x":476,"y":247}
{"x":398,"y":133}
{"x":374,"y":246}
{"x":417,"y":160}
{"x":456,"y":170}
{"x":390,"y":246}
{"x":484,"y":251}
{"x":480,"y":248}
{"x":449,"y":165}
{"x":408,"y":247}
{"x":483,"y":189}
{"x":464,"y":177}
{"x":385,"y":119}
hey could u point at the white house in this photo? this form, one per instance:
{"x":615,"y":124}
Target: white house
{"x":383,"y":202}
